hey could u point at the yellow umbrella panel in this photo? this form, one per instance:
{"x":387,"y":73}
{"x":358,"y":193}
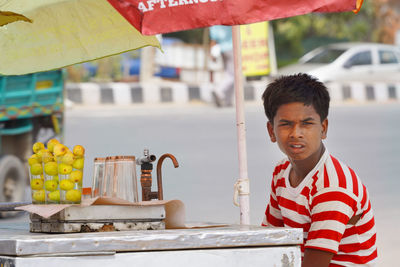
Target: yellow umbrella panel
{"x":42,"y":35}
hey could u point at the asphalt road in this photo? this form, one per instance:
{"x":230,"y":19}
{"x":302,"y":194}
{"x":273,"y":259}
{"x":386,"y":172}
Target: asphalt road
{"x":203,"y":139}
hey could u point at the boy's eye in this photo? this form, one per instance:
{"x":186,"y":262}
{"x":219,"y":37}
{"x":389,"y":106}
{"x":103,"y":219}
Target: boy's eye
{"x":307,"y":123}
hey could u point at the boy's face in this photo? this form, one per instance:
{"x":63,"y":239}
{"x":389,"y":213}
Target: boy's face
{"x":298,"y":131}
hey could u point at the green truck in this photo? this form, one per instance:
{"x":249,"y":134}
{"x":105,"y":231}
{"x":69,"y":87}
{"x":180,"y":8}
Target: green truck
{"x":31,"y":110}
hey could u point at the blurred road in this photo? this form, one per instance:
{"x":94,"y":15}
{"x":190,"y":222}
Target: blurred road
{"x":203,"y":139}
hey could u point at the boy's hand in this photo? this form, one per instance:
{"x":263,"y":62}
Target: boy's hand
{"x":315,"y":257}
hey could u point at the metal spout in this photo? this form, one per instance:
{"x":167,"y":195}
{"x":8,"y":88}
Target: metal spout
{"x":159,"y":174}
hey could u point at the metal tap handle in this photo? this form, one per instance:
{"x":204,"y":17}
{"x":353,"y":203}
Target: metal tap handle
{"x":147,"y":158}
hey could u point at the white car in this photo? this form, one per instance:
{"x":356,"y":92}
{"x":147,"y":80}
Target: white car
{"x":366,"y":62}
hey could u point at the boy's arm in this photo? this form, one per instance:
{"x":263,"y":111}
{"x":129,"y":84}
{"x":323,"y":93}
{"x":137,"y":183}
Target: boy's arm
{"x":272,"y":216}
{"x":315,"y":257}
{"x":332,"y":208}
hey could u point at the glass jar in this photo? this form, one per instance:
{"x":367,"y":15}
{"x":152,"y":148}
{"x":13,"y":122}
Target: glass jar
{"x":98,"y":176}
{"x":120,"y":179}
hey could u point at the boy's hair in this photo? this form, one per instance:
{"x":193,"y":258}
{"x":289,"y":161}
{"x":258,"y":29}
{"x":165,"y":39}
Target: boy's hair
{"x":296,"y":88}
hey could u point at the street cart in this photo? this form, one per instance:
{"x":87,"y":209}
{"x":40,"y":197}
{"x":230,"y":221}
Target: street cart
{"x":242,"y":245}
{"x":115,"y":232}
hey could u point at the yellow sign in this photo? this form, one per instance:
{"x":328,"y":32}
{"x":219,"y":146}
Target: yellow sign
{"x":255,"y":54}
{"x":40,"y":85}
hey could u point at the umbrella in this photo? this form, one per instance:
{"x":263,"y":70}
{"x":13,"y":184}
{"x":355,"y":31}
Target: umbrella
{"x":42,"y":35}
{"x":164,"y":16}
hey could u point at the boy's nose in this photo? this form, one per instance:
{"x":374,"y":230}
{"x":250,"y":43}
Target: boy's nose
{"x":296,"y":132}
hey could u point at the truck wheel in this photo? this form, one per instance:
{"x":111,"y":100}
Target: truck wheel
{"x":12,"y":181}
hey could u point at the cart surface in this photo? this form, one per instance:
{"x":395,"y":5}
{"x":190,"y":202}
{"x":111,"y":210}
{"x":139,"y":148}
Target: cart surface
{"x":233,"y":245}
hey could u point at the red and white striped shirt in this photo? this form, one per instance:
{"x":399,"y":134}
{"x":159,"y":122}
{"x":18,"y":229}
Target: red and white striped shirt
{"x":322,"y":205}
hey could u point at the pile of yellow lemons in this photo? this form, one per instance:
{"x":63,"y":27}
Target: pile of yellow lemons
{"x":56,"y":173}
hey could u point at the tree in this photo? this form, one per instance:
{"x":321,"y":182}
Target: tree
{"x":194,"y":36}
{"x":298,"y":35}
{"x":387,"y":13}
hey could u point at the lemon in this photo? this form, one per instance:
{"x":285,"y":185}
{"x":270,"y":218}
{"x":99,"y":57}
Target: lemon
{"x":33,"y":159}
{"x":36,"y":169}
{"x":51,"y":143}
{"x":42,"y":152}
{"x":50,"y":168}
{"x":36,"y":184}
{"x":55,"y":178}
{"x":78,"y":151}
{"x":66,"y":185}
{"x":54,"y":196}
{"x":78,"y":163}
{"x":59,"y":150}
{"x":68,"y":158}
{"x":50,"y":185}
{"x":73,"y":195}
{"x":39,"y":195}
{"x":37,"y":147}
{"x":64,"y":168}
{"x":76,"y":176}
{"x":46,"y":156}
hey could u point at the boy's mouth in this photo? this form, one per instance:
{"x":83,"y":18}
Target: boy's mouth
{"x":296,"y":148}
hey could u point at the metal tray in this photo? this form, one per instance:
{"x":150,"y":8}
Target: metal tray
{"x":17,"y":241}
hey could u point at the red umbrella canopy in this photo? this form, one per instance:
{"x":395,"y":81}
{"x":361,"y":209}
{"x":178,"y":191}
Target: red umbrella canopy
{"x":164,"y":16}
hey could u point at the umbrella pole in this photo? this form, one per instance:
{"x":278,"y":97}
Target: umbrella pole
{"x":242,"y":184}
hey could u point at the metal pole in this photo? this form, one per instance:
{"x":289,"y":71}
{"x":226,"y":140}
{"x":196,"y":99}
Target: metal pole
{"x":272,"y":52}
{"x":242,"y":185}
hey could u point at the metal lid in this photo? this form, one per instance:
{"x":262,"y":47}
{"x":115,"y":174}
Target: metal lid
{"x":99,"y":159}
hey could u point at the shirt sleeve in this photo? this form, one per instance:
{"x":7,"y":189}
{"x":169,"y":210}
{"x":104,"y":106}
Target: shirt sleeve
{"x":273,"y":216}
{"x":331,"y":210}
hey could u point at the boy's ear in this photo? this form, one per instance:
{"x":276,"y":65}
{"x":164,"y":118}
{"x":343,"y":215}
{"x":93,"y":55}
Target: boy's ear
{"x":270,"y":128}
{"x":324,"y":129}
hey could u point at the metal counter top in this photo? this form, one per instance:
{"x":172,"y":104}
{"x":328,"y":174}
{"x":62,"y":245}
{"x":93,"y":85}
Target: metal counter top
{"x":16,"y":240}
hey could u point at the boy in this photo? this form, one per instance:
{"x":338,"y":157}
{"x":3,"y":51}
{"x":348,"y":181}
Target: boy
{"x":311,"y":189}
